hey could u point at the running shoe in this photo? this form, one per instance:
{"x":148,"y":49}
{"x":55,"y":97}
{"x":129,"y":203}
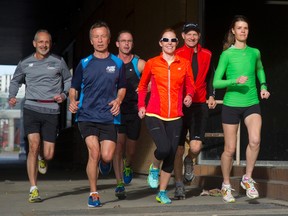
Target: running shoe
{"x":42,"y":166}
{"x":105,"y":168}
{"x":120,"y":191}
{"x":188,"y":169}
{"x":226,"y":192}
{"x":163,"y":198}
{"x":153,"y":177}
{"x":94,"y":200}
{"x":179,"y":192}
{"x":248,"y":185}
{"x":127,"y":175}
{"x":34,"y":196}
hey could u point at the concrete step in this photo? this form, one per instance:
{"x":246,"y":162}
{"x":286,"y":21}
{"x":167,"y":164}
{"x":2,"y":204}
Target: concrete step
{"x":271,"y":181}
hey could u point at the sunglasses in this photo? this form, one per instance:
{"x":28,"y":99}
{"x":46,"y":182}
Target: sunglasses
{"x":173,"y":40}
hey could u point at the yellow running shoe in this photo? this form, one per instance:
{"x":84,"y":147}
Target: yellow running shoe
{"x":42,"y":166}
{"x":34,"y":196}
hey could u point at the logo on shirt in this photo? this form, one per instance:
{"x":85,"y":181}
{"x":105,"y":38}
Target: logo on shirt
{"x":179,"y":68}
{"x":110,"y":69}
{"x":30,"y":65}
{"x":51,"y":66}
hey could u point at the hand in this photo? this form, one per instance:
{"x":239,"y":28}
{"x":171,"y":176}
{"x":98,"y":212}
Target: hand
{"x":73,"y":106}
{"x":241,"y":79}
{"x":115,"y":110}
{"x":12,"y":102}
{"x":142,"y":112}
{"x":187,"y":101}
{"x":211,"y":103}
{"x":59,"y":98}
{"x":264,"y":94}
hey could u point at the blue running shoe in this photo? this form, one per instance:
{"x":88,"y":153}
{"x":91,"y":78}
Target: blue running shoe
{"x":120,"y":191}
{"x":127,"y":175}
{"x":94,"y":200}
{"x":153,"y":177}
{"x":105,"y":168}
{"x":163,"y":198}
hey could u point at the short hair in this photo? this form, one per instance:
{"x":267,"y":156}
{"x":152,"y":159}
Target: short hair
{"x":100,"y":24}
{"x":123,"y":31}
{"x":41,"y":31}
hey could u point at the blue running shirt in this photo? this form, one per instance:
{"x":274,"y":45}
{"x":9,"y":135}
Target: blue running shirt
{"x":97,"y":81}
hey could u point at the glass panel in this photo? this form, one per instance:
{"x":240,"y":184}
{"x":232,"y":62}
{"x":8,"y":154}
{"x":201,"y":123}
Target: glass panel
{"x":213,"y":142}
{"x":12,"y":145}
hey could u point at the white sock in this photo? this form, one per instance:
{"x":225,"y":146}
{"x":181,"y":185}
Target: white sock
{"x":93,"y":193}
{"x":40,"y":157}
{"x":32,"y":188}
{"x":226,"y":185}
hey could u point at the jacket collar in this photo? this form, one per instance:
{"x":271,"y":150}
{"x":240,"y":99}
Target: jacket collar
{"x":176,"y":57}
{"x":190,"y":49}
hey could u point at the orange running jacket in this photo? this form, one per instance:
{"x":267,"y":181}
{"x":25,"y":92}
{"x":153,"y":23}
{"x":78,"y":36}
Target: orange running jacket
{"x":168,"y":83}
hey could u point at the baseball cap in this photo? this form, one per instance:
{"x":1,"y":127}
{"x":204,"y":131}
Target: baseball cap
{"x":190,"y":27}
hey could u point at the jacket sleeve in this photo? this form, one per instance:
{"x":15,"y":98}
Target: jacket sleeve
{"x":143,"y":84}
{"x":66,"y":75}
{"x":16,"y":82}
{"x":260,"y":72}
{"x":218,"y":81}
{"x":189,"y":81}
{"x":209,"y":79}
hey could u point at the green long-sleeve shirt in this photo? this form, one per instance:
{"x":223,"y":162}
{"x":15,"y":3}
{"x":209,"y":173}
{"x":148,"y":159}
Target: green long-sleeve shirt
{"x":234,"y":63}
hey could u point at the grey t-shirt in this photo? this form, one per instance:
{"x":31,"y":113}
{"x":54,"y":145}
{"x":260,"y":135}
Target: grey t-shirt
{"x":43,"y":79}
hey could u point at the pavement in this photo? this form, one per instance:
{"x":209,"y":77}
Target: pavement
{"x":65,"y":192}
